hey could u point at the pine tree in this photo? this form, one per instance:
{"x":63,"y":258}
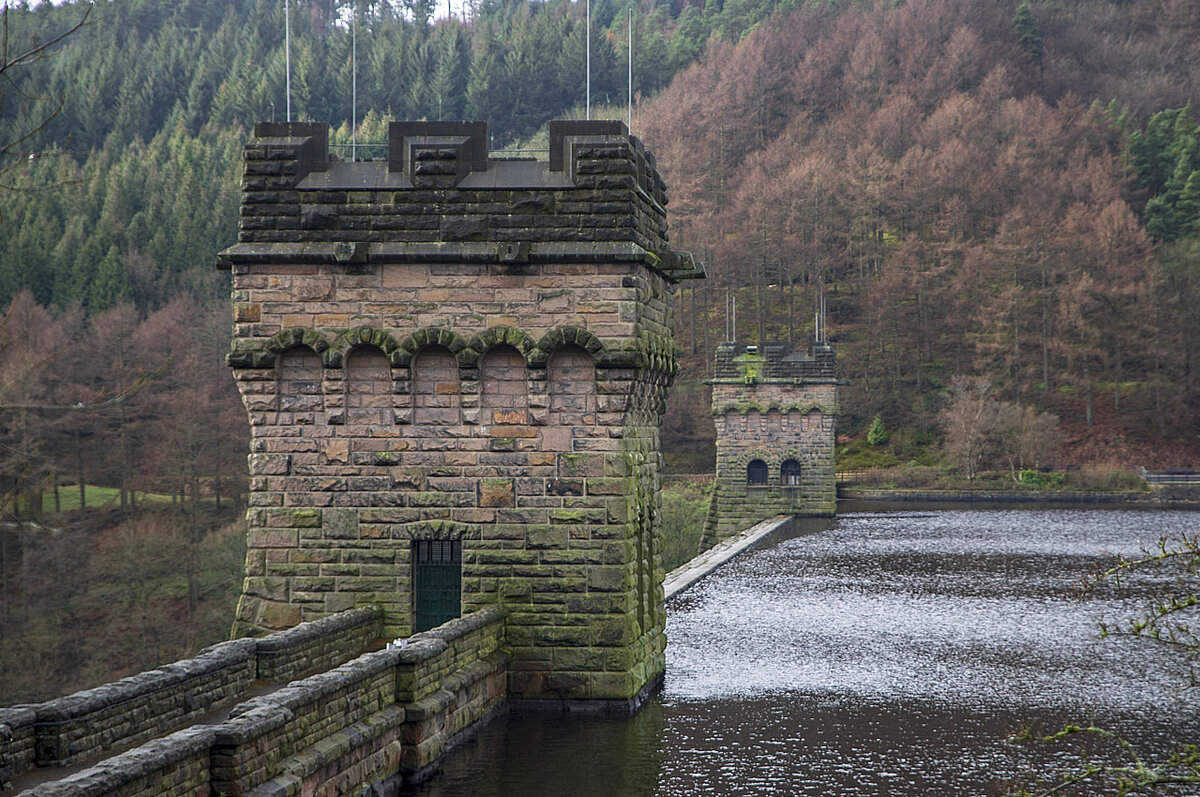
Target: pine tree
{"x":1028,"y":34}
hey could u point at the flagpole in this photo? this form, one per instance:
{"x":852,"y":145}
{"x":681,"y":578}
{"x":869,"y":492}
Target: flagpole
{"x":287,"y":28}
{"x":589,"y":60}
{"x":629,"y":112}
{"x":354,"y":90}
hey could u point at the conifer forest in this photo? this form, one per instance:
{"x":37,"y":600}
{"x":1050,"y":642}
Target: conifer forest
{"x":998,"y":199}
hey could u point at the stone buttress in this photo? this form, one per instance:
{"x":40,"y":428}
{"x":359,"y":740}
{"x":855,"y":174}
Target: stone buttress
{"x":775,"y":413}
{"x":468,"y":354}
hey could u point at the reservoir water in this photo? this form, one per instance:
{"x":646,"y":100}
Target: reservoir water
{"x":878,"y":654}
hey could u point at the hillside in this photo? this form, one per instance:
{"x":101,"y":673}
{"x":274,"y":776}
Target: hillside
{"x":970,"y":184}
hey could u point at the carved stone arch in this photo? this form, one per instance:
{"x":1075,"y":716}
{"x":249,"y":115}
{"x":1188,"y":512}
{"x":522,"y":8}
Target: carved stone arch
{"x":439,"y":530}
{"x":351,"y":339}
{"x":299,"y":382}
{"x":427,"y":336}
{"x":559,"y":337}
{"x":742,"y":460}
{"x":292,"y":337}
{"x":492,"y":337}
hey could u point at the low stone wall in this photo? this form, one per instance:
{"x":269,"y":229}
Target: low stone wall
{"x":382,"y":718}
{"x":17,"y":738}
{"x":450,"y":678}
{"x":143,"y":706}
{"x":83,"y":725}
{"x":386,"y":715}
{"x":318,"y":645}
{"x":177,"y":765}
{"x":996,"y":496}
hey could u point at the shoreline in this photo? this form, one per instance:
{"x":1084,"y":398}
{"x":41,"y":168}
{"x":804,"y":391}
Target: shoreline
{"x":1030,"y":497}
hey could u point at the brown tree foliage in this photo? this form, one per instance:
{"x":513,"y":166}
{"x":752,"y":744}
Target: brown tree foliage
{"x":963,"y":204}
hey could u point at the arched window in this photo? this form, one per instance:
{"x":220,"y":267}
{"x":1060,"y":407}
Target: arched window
{"x":435,"y":388}
{"x":368,"y":381}
{"x":505,"y":389}
{"x":572,"y":375}
{"x":756,"y":472}
{"x":298,"y":385}
{"x":789,"y":473}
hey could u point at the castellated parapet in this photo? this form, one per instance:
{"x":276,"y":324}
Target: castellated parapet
{"x":775,"y":412}
{"x":455,"y":368}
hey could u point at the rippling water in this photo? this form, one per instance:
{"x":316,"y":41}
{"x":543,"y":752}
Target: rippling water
{"x":878,"y":654}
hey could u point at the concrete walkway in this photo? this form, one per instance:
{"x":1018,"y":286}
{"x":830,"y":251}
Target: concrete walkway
{"x":686,"y":575}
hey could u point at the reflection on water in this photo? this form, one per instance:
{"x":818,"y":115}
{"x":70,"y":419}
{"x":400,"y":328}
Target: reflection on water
{"x":880,"y":654}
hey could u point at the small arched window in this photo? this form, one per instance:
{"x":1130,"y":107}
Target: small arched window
{"x":436,"y":400}
{"x":756,"y":472}
{"x":298,"y":384}
{"x":368,"y":383}
{"x":789,"y":473}
{"x":505,"y":389}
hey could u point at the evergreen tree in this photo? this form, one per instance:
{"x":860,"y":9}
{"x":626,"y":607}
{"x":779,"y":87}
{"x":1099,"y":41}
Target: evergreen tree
{"x":1028,"y":34}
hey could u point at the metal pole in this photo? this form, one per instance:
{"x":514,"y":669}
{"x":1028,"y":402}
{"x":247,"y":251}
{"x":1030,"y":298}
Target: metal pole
{"x":629,"y":113}
{"x":588,"y":107}
{"x":287,"y":34}
{"x":354,"y":89}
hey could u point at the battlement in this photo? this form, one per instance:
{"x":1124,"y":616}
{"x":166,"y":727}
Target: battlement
{"x":439,"y":197}
{"x":739,"y":363}
{"x":454,"y":368}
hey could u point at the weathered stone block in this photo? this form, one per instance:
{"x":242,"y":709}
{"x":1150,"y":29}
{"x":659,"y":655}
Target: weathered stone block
{"x":497,"y":493}
{"x":546,"y":537}
{"x":340,"y":523}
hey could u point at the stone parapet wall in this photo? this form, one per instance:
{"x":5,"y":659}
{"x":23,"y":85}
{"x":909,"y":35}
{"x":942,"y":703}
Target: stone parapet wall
{"x":177,"y":765}
{"x":1015,"y":496}
{"x":599,"y":186}
{"x":443,"y":346}
{"x":448,"y":679}
{"x":317,"y":645}
{"x":329,"y":734}
{"x":261,"y":734}
{"x":83,"y":725}
{"x":18,"y":737}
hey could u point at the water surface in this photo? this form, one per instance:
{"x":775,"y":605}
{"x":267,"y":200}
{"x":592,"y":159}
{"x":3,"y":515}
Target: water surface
{"x":878,"y":654}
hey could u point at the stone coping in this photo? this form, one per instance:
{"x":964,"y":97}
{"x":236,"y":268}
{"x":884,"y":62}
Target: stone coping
{"x":1002,"y":496}
{"x":684,"y":576}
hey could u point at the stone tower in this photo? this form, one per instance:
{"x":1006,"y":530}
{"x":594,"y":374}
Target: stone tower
{"x":775,"y":411}
{"x":455,"y":367}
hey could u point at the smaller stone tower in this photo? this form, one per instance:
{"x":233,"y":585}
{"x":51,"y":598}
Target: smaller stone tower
{"x":776,"y":413}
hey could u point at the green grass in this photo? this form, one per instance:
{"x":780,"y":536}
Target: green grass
{"x":858,"y":454}
{"x":97,"y":497}
{"x":684,"y":507}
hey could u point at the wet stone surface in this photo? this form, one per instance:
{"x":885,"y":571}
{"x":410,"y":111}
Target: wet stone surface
{"x":875,"y":654}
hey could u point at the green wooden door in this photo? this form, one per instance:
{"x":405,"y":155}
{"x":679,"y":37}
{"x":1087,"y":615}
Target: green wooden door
{"x":437,"y":582}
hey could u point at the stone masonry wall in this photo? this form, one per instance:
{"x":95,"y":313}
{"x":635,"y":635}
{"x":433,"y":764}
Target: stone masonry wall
{"x":443,"y":346}
{"x":81,"y":726}
{"x":379,"y":719}
{"x":775,"y":407}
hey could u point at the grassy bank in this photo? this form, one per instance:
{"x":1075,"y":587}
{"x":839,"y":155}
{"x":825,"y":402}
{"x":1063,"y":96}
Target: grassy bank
{"x":684,"y":505}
